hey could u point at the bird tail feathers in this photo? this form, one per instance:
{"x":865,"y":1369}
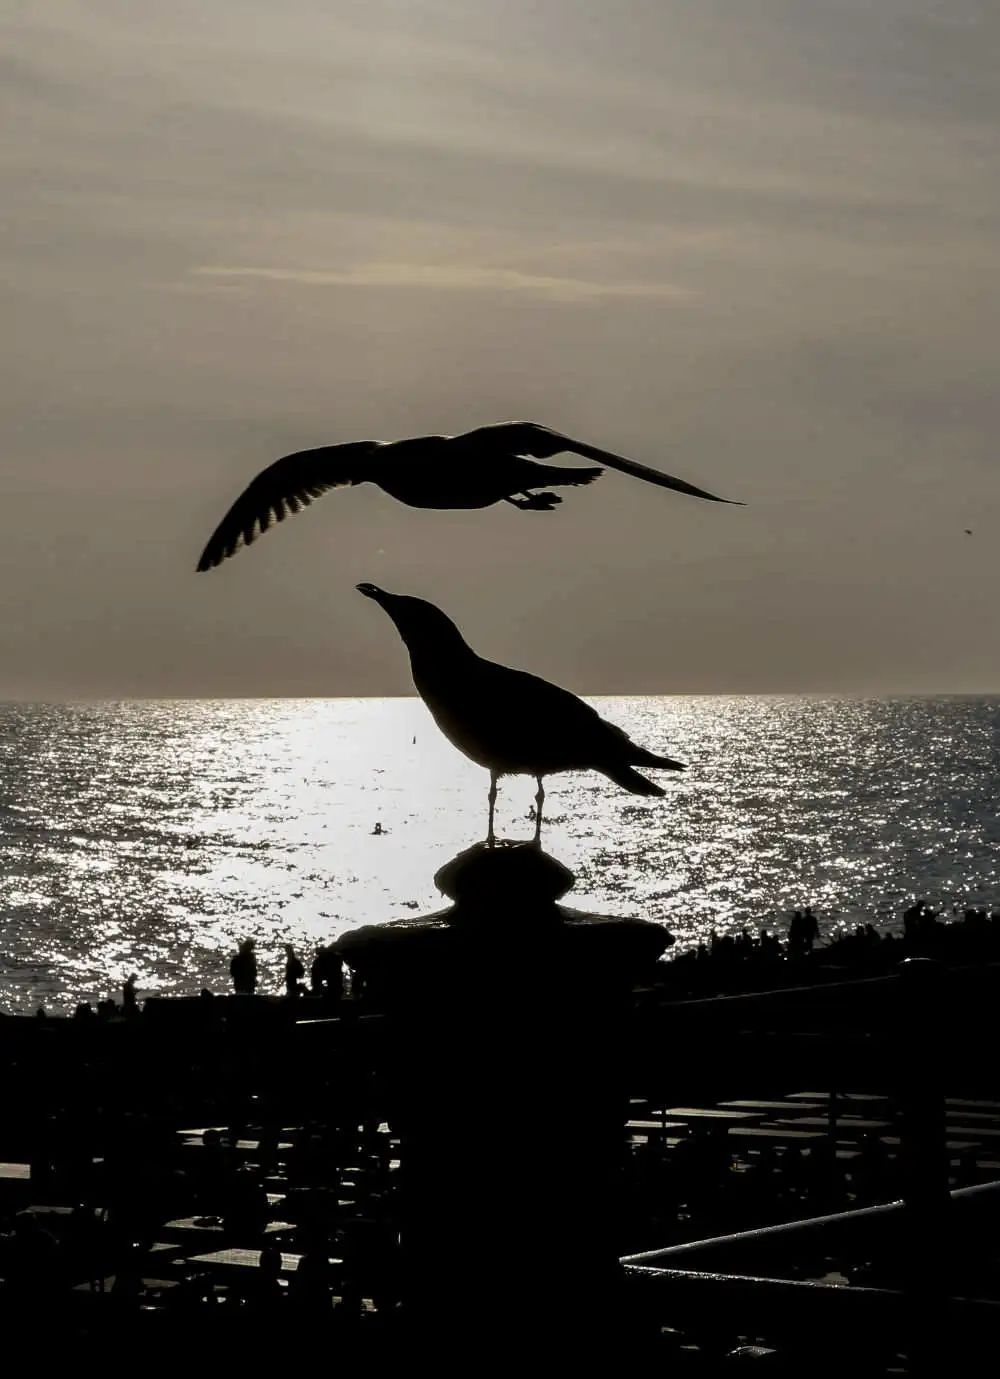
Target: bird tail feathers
{"x":631,"y":780}
{"x":558,"y":475}
{"x":644,"y":758}
{"x":577,"y":476}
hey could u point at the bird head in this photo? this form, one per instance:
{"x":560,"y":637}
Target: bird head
{"x":422,"y":626}
{"x":372,"y":591}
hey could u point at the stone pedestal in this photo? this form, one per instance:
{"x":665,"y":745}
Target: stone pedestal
{"x":504,"y":1067}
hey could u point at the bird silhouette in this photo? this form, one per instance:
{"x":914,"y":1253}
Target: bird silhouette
{"x":509,"y":721}
{"x":474,"y":470}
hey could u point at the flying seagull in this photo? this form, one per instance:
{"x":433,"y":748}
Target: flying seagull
{"x":511,"y":722}
{"x":474,"y":470}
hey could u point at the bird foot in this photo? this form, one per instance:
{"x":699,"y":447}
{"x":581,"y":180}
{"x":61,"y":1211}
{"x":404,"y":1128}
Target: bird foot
{"x":492,"y":843}
{"x":536,"y":502}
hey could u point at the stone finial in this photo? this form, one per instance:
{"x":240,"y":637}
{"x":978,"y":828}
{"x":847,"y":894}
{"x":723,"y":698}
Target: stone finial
{"x":502,"y":876}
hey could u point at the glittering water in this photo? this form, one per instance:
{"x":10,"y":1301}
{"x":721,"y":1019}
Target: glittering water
{"x":149,"y":836}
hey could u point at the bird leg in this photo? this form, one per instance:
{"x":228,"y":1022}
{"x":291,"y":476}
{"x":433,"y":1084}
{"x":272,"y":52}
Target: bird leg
{"x":490,"y":836}
{"x":539,"y":801}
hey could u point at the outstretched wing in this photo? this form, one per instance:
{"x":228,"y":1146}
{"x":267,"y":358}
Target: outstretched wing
{"x":288,"y":485}
{"x":541,"y":443}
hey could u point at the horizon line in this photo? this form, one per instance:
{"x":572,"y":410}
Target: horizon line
{"x":585,"y":694}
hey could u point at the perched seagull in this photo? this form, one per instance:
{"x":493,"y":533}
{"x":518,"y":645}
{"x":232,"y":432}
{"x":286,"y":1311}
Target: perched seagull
{"x":473,"y":470}
{"x":511,"y":722}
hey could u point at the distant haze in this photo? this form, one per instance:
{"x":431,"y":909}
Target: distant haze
{"x":753,"y":244}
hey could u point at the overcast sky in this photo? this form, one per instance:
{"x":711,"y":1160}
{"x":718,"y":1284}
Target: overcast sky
{"x":753,"y":242}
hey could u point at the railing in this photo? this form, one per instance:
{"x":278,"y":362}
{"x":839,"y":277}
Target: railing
{"x":923,"y":1027}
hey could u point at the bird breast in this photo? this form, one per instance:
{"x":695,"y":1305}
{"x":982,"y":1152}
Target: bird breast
{"x":439,"y":486}
{"x":434,"y":473}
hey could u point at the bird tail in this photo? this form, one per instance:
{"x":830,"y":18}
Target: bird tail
{"x":644,"y":758}
{"x":557,"y":475}
{"x":631,"y":780}
{"x":580,"y":476}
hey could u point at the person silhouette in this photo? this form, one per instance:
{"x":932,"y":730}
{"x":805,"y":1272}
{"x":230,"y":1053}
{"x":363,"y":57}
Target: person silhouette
{"x":326,"y":975}
{"x":294,"y":972}
{"x":243,"y":969}
{"x":810,"y":929}
{"x":130,"y":1003}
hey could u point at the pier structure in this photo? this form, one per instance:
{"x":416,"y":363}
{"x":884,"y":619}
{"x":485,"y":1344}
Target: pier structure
{"x":504,"y":1011}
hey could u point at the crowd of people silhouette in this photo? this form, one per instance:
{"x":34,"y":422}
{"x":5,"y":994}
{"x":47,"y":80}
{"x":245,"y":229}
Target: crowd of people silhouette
{"x":746,"y":960}
{"x":727,"y":963}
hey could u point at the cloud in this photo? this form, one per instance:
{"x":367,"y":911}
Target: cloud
{"x":449,"y":277}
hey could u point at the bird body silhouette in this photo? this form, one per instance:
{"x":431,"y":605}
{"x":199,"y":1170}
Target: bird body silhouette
{"x":509,"y":721}
{"x":489,"y":465}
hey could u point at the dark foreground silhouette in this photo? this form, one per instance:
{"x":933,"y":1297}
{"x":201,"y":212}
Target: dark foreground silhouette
{"x":459,"y":1162}
{"x":473,"y":470}
{"x":513,"y":723}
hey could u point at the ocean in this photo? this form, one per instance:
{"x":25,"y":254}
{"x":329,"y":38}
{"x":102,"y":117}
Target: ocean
{"x":150,"y":836}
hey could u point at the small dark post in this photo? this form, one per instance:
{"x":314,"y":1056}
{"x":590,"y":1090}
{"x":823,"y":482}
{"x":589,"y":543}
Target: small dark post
{"x":923,"y":1153}
{"x":506,"y":1077}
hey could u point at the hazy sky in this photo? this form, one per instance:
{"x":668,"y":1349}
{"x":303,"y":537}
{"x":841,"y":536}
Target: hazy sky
{"x":751,"y":241}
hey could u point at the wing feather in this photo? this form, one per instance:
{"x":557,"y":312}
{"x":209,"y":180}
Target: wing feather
{"x":541,"y":443}
{"x":528,"y":705}
{"x":287,"y":486}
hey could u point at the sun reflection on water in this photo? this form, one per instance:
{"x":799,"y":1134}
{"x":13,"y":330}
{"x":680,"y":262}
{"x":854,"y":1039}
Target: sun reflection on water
{"x":149,"y":837}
